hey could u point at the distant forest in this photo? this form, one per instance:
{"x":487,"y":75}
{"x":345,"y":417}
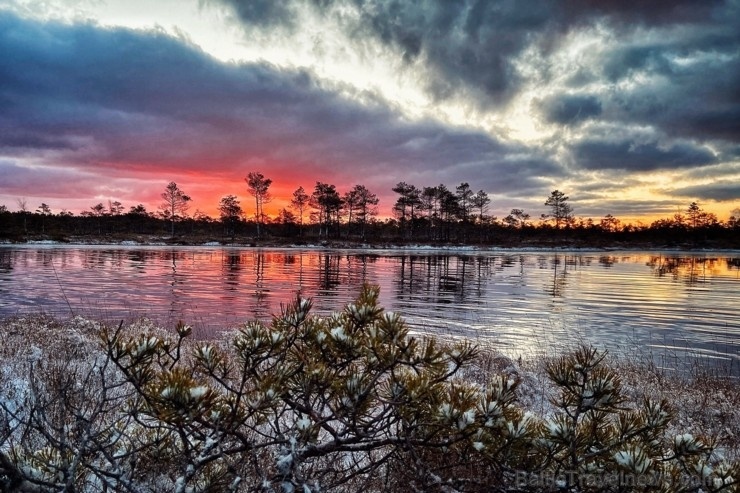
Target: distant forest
{"x":435,"y":215}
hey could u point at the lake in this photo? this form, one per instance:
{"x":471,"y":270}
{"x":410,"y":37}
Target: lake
{"x":668,"y":305}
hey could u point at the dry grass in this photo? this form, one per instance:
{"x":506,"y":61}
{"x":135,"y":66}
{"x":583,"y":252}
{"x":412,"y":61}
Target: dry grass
{"x":705,"y":403}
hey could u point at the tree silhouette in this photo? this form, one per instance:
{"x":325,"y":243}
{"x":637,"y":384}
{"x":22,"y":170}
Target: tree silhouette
{"x":115,"y":208}
{"x":360,"y":203}
{"x":327,"y":202}
{"x":480,"y":201}
{"x":465,"y":199}
{"x":409,"y":200}
{"x":609,"y":223}
{"x":560,"y":209}
{"x":258,"y":187}
{"x":517,"y":218}
{"x":175,"y":204}
{"x":44,"y":210}
{"x":699,"y":218}
{"x":299,"y":203}
{"x":230,"y":211}
{"x":734,"y":221}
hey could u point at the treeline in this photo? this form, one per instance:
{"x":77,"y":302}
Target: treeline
{"x":433,"y":214}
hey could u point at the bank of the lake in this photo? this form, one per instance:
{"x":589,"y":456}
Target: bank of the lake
{"x":701,"y":408}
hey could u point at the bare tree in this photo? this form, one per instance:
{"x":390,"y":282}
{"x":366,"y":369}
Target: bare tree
{"x":258,"y":187}
{"x":175,"y":204}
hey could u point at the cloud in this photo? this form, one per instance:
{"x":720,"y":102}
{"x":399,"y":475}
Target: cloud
{"x":686,"y":90}
{"x":570,"y":109}
{"x":119,"y":104}
{"x":463,"y":46}
{"x":475,"y":48}
{"x":713,"y":191}
{"x":628,"y":155}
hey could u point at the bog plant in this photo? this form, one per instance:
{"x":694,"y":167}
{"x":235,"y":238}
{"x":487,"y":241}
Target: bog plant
{"x":346,"y":402}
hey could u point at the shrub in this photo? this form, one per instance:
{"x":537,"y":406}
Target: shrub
{"x":347,"y":402}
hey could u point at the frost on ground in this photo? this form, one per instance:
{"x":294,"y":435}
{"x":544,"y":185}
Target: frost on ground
{"x":707,"y":403}
{"x":347,"y":402}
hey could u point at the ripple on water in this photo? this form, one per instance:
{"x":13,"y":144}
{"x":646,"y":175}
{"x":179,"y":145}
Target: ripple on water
{"x":522,"y":302}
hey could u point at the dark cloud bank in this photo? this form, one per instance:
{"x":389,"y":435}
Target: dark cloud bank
{"x":471,"y":46}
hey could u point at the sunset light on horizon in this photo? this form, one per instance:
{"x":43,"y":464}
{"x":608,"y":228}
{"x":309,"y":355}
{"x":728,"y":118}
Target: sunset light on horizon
{"x":630,"y":109}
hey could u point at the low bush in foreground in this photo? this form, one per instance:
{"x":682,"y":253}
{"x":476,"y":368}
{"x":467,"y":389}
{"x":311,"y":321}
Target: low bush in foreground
{"x":347,"y":402}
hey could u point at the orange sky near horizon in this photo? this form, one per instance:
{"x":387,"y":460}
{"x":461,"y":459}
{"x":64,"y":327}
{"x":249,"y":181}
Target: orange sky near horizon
{"x":207,"y":189}
{"x":206,"y":201}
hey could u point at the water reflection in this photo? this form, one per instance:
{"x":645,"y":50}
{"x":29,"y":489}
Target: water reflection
{"x":690,"y":270}
{"x":523,"y":301}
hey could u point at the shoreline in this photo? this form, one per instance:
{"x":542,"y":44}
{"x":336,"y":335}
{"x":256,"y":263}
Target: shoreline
{"x":377,"y":246}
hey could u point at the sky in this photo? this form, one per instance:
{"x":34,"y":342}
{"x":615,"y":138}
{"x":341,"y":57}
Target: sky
{"x":630,"y":108}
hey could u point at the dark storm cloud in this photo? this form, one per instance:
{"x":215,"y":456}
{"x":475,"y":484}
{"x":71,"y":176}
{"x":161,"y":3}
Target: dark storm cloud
{"x":117,"y":103}
{"x":471,"y":45}
{"x":631,"y":156}
{"x":690,"y":87}
{"x":570,"y":109}
{"x":713,"y":191}
{"x":648,"y":12}
{"x":467,"y":44}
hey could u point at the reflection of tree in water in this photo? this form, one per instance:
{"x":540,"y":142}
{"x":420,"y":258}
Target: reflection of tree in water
{"x":136,"y":259}
{"x":328,"y":278}
{"x":507,"y":261}
{"x":6,"y":267}
{"x":103,"y":258}
{"x":260,"y":291}
{"x":733,"y":263}
{"x":357,"y":269}
{"x":177,"y":284}
{"x":441,"y":279}
{"x":232,"y":266}
{"x":691,"y":270}
{"x":608,"y":260}
{"x":559,"y":275}
{"x":6,"y":264}
{"x":93,"y":259}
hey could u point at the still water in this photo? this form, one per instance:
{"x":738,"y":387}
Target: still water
{"x":659,"y":303}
